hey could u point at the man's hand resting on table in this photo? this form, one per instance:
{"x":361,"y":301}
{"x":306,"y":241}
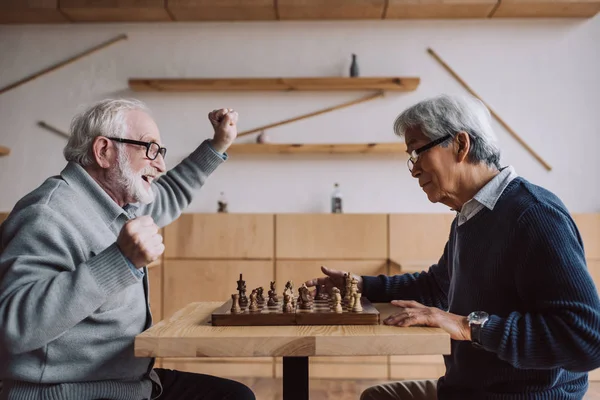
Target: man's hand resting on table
{"x":412,"y":313}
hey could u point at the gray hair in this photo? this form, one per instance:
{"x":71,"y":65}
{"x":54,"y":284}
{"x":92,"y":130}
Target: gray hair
{"x":447,"y":115}
{"x":105,"y":118}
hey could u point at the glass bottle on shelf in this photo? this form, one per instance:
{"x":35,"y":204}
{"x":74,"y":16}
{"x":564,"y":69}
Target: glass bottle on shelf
{"x":222,"y":204}
{"x":336,"y":200}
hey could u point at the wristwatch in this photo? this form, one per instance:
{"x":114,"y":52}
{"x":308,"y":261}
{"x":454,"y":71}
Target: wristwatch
{"x":477,"y":320}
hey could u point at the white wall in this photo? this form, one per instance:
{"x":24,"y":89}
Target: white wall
{"x":541,"y":76}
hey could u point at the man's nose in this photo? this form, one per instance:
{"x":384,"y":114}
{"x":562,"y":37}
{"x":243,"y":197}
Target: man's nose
{"x":159,"y":163}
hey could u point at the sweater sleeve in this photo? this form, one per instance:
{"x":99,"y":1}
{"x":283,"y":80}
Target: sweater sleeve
{"x":42,"y":294}
{"x":559,"y":326}
{"x":174,"y":190}
{"x":429,"y":288}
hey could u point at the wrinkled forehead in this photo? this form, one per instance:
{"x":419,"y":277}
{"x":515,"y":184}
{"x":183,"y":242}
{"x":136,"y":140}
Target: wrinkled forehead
{"x":141,"y":126}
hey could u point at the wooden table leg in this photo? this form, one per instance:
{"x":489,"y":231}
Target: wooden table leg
{"x":295,"y":378}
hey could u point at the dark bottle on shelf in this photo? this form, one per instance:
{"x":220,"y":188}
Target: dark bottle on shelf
{"x":336,"y":200}
{"x":354,"y":67}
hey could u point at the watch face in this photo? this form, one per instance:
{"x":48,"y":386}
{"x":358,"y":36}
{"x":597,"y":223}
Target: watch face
{"x":477,"y":317}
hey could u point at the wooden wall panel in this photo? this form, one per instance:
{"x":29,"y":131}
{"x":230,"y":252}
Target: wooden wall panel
{"x":589,"y":228}
{"x":115,"y":10}
{"x":330,"y":9}
{"x":258,"y":367}
{"x":3,"y":216}
{"x":30,"y":11}
{"x":403,"y":9}
{"x":214,"y":236}
{"x":299,"y":271}
{"x":547,"y":8}
{"x":222,"y":10}
{"x":155,"y":272}
{"x":331,"y":236}
{"x":187,"y":281}
{"x":343,"y":368}
{"x":418,"y":240}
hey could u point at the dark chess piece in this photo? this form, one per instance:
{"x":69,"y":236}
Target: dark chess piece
{"x":242,"y":291}
{"x":273,"y":299}
{"x":305,"y":300}
{"x":321,"y":294}
{"x":260,"y":298}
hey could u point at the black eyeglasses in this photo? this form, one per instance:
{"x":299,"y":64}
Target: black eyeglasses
{"x":414,"y":155}
{"x":153,"y":149}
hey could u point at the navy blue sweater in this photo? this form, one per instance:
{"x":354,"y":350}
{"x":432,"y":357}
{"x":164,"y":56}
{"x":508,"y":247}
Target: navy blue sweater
{"x":524,"y":264}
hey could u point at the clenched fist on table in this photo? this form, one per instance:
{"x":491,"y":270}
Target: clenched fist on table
{"x":140,"y":241}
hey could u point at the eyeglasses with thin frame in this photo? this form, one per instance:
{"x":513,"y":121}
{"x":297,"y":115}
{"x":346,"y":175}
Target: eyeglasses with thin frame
{"x":414,"y":155}
{"x":153,"y":149}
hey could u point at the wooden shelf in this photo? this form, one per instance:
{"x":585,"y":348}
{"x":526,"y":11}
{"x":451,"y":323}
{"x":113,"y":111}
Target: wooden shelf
{"x":4,"y":151}
{"x":317,"y":148}
{"x":275,"y":84}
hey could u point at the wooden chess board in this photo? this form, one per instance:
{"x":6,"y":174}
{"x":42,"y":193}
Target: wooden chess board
{"x":321,"y":314}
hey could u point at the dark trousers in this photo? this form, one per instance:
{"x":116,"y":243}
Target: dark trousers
{"x":179,"y":385}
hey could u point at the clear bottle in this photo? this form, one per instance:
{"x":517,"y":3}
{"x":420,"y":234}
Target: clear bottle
{"x":336,"y":199}
{"x":222,"y":203}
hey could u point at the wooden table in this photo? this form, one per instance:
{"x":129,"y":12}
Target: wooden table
{"x":188,"y":333}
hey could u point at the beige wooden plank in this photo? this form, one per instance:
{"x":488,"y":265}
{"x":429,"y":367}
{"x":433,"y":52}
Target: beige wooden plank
{"x":331,"y":9}
{"x":446,"y":9}
{"x":155,"y":282}
{"x":547,"y":9}
{"x":354,"y":359}
{"x":211,"y":236}
{"x":188,"y":333}
{"x":416,"y":371}
{"x":187,"y":281}
{"x":588,"y":225}
{"x":222,"y":369}
{"x":30,"y":11}
{"x":347,"y":370}
{"x":423,"y":359}
{"x":333,"y":236}
{"x":115,"y":10}
{"x":418,"y":240}
{"x":299,"y":271}
{"x":327,"y":84}
{"x":222,"y":10}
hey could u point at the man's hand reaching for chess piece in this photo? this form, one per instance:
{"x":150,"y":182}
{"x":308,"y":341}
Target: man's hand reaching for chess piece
{"x":332,"y":278}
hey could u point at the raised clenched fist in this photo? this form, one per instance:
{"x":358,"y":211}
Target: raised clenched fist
{"x":140,"y":241}
{"x":224,"y":122}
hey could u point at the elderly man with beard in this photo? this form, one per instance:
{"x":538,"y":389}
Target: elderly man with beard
{"x":73,"y":281}
{"x":511,"y":286}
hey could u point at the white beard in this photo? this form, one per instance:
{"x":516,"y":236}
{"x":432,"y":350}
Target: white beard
{"x":132,"y":182}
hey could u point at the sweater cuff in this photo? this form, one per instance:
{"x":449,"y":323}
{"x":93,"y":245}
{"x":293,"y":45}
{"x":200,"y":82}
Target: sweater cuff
{"x":110,"y":270}
{"x":371,"y":285}
{"x":492,"y":334}
{"x":205,"y":158}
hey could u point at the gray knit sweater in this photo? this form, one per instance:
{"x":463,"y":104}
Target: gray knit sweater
{"x":70,"y":305}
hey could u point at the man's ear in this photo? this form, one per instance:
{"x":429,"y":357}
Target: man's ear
{"x":463,"y":145}
{"x":104,"y":152}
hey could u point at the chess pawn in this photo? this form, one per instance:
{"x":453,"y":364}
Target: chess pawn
{"x":350,"y":304}
{"x":337,"y":301}
{"x":253,"y":301}
{"x":235,"y":303}
{"x":357,"y":307}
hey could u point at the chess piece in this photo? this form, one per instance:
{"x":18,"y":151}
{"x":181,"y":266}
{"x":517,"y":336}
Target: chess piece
{"x":321,"y":294}
{"x":353,"y":292}
{"x":222,"y":204}
{"x":242,"y":291}
{"x":305,"y":300}
{"x":287,"y":303}
{"x":235,"y":303}
{"x":347,"y":287}
{"x":273,"y":299}
{"x":337,"y":301}
{"x":259,"y":296}
{"x":354,"y":67}
{"x":253,"y":301}
{"x":357,"y":307}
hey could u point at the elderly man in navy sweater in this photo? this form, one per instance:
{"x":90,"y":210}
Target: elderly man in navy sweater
{"x":511,"y":286}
